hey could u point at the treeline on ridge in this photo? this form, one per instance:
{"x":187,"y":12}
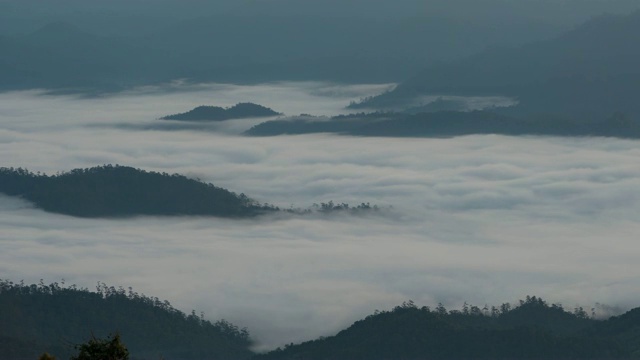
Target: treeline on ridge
{"x":53,"y":318}
{"x":533,"y":329}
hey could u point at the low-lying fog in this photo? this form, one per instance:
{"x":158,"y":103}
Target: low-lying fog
{"x":482,"y":219}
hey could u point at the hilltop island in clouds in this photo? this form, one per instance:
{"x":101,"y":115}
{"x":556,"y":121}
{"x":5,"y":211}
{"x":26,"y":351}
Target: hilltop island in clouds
{"x":216,"y":113}
{"x":120,"y":191}
{"x":446,"y":124}
{"x":489,"y":149}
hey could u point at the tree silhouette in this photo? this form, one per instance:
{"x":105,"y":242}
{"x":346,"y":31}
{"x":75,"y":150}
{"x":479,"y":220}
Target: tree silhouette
{"x":110,"y":348}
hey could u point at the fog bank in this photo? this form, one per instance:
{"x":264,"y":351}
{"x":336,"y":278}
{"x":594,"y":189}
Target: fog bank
{"x":482,"y":219}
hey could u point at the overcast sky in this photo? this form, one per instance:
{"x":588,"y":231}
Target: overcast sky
{"x":470,"y":8}
{"x":482,"y":219}
{"x":556,"y":13}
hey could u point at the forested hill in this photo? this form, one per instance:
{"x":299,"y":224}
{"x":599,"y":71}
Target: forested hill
{"x":216,"y":113}
{"x":532,"y":330}
{"x":52,"y":318}
{"x":120,"y":191}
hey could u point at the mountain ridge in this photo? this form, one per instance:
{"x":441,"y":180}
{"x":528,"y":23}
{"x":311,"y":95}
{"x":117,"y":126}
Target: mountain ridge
{"x":592,"y":69}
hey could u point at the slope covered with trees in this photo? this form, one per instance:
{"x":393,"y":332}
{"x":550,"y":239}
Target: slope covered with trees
{"x":531,"y":330}
{"x":53,"y":318}
{"x":57,"y":319}
{"x":119,"y":191}
{"x":216,"y":113}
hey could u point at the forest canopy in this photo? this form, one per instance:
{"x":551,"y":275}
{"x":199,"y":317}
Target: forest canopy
{"x":59,"y":319}
{"x":531,"y":329}
{"x":54,"y":318}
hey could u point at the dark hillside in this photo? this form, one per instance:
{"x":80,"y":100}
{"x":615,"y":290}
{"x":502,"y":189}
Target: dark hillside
{"x":51,"y":318}
{"x":39,"y":318}
{"x":532,"y":330}
{"x":535,"y":312}
{"x":625,"y":329}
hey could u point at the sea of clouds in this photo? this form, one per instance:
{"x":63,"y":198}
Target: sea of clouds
{"x":482,"y":219}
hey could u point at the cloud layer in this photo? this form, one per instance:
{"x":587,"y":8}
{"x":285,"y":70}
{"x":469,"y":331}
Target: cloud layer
{"x":483,"y":219}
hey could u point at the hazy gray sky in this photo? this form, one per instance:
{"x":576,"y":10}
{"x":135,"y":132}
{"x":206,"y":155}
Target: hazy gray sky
{"x":471,"y":8}
{"x":483,"y":219}
{"x":556,"y":13}
{"x":118,"y":44}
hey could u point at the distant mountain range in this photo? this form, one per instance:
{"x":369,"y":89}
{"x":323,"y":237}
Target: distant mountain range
{"x":447,"y":124}
{"x":62,"y":56}
{"x":586,"y":74}
{"x":241,"y":49}
{"x":216,"y":113}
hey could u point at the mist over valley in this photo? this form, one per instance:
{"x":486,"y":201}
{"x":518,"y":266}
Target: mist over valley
{"x":475,"y":218}
{"x":205,"y":155}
